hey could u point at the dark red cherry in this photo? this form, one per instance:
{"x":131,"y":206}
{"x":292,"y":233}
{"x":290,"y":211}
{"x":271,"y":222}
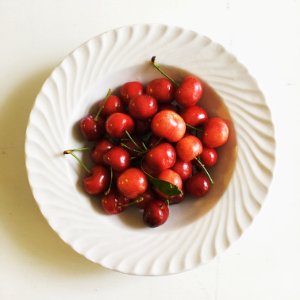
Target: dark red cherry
{"x":145,"y":198}
{"x":91,"y":129}
{"x":132,"y":183}
{"x":156,"y":213}
{"x":161,"y":157}
{"x":142,"y":127}
{"x":130,"y":90}
{"x":97,"y":182}
{"x":118,"y":123}
{"x":114,"y":203}
{"x":112,"y":105}
{"x":176,"y":199}
{"x":197,"y":185}
{"x":194,"y":115}
{"x":142,"y":107}
{"x":183,"y":169}
{"x":100,"y":149}
{"x":161,"y":89}
{"x":209,"y":157}
{"x":189,"y":92}
{"x":118,"y":158}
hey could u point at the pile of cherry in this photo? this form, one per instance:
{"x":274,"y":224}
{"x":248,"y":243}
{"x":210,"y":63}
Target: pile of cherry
{"x":152,"y":146}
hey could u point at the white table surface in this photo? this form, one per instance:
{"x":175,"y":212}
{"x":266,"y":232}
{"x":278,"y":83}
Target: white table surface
{"x":35,"y":35}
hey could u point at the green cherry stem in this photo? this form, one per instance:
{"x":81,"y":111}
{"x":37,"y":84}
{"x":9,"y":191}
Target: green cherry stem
{"x":132,"y":140}
{"x":158,"y":68}
{"x":192,"y":127}
{"x":102,"y":106}
{"x":110,"y":182}
{"x":82,"y":164}
{"x":204,"y":169}
{"x":131,"y":149}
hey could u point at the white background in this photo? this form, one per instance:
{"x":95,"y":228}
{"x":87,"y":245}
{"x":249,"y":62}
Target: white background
{"x":35,"y":35}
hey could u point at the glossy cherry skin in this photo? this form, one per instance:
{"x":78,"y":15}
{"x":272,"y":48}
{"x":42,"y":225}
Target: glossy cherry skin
{"x":97,"y":182}
{"x":176,"y":199}
{"x":183,"y":169}
{"x":145,"y":198}
{"x":117,"y":123}
{"x":209,"y":157}
{"x":197,"y":185}
{"x":189,"y":92}
{"x":194,"y":115}
{"x":132,"y":183}
{"x":161,"y":157}
{"x":100,"y":149}
{"x":91,"y":129}
{"x":155,"y":213}
{"x":114,"y":203}
{"x":112,"y":105}
{"x":142,"y":107}
{"x":188,"y":148}
{"x":215,"y":133}
{"x":118,"y":158}
{"x":169,"y":125}
{"x":161,"y":89}
{"x":130,"y":90}
{"x":171,"y":177}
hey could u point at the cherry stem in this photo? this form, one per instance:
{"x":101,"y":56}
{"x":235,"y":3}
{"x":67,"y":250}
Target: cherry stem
{"x":138,"y":200}
{"x":204,"y":169}
{"x":76,"y":149}
{"x":144,"y":146}
{"x":192,"y":127}
{"x":82,"y":164}
{"x":110,"y":183}
{"x":158,"y":68}
{"x":132,"y":140}
{"x":102,"y":106}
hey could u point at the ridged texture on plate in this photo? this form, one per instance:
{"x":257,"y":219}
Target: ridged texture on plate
{"x":145,"y":251}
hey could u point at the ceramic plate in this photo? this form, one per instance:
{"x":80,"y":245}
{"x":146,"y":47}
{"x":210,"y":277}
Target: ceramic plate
{"x":197,"y":230}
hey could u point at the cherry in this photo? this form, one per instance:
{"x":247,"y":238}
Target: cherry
{"x":171,"y":177}
{"x":197,"y":185}
{"x":183,"y":169}
{"x":215,"y":133}
{"x":161,"y":157}
{"x":97,"y":182}
{"x":209,"y":157}
{"x":188,"y":148}
{"x":118,"y":123}
{"x":176,"y":199}
{"x":148,"y":169}
{"x":169,"y":125}
{"x":100,"y":149}
{"x":91,"y":129}
{"x":161,"y":89}
{"x":142,"y":107}
{"x":132,"y":183}
{"x":130,"y":90}
{"x":144,"y":199}
{"x":114,"y":203}
{"x":118,"y":158}
{"x":194,"y":115}
{"x":155,"y":213}
{"x":112,"y":105}
{"x":189,"y":92}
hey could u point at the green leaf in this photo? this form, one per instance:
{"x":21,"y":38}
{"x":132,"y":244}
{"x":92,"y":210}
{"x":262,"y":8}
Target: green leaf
{"x":165,"y":187}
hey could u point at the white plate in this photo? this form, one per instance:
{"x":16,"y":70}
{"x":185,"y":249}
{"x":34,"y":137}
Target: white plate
{"x":197,"y":230}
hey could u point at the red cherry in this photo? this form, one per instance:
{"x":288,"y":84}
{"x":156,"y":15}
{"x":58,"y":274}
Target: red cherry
{"x":100,"y":149}
{"x":215,"y":133}
{"x":161,"y":157}
{"x":145,"y":198}
{"x":189,"y":92}
{"x":114,"y":203}
{"x":132,"y":183}
{"x":169,"y":125}
{"x":194,"y":115}
{"x":156,"y":213}
{"x":142,"y":107}
{"x":112,"y":105}
{"x":130,"y":90}
{"x":176,"y":199}
{"x":171,"y":177}
{"x":91,"y":129}
{"x":161,"y":89}
{"x":118,"y":123}
{"x":97,"y":182}
{"x":183,"y":169}
{"x":118,"y":158}
{"x":188,"y":148}
{"x":197,"y":185}
{"x":209,"y":157}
